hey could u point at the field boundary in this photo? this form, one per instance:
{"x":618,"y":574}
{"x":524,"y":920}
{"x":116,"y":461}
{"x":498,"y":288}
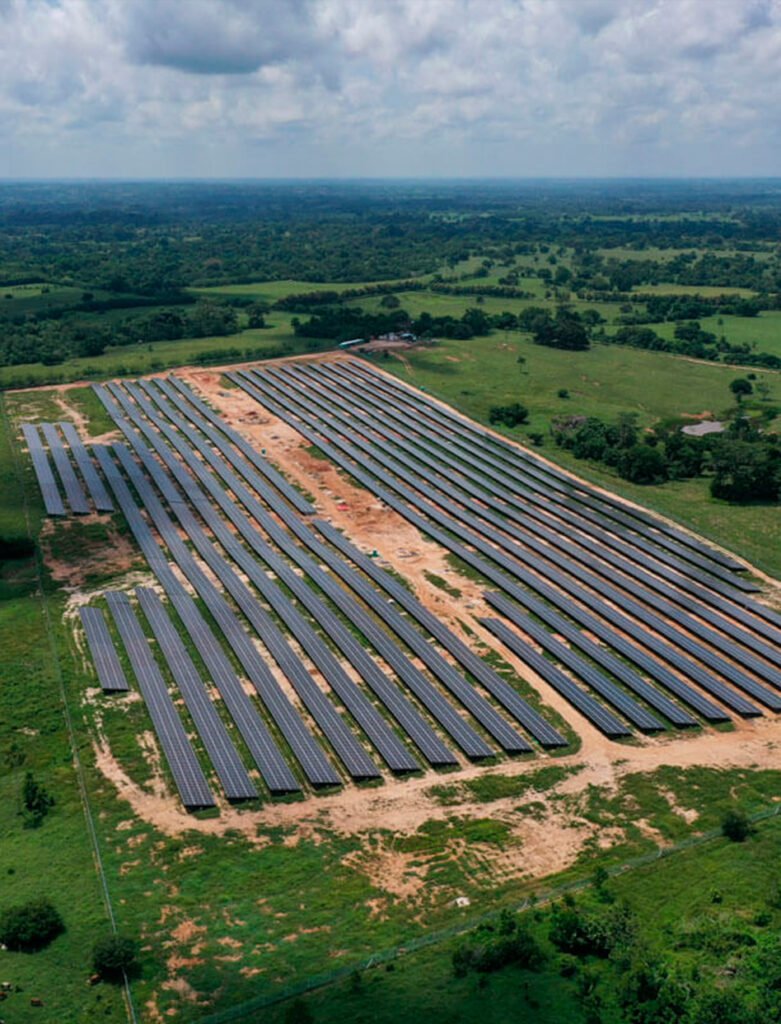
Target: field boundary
{"x":384,"y":956}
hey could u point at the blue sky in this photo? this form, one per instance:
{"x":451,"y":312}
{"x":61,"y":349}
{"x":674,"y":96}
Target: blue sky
{"x":355,"y":88}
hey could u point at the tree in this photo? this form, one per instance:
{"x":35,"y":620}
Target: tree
{"x":642,"y":464}
{"x":509,"y":415}
{"x":30,"y":926}
{"x":741,"y":388}
{"x":565,"y":332}
{"x":721,"y":1007}
{"x":735,"y":826}
{"x":114,"y":957}
{"x":745,"y":471}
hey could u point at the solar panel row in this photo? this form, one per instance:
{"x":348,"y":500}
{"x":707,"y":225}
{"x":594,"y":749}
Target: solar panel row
{"x":272,"y":475}
{"x":52,"y":499}
{"x":462,"y":733}
{"x":319,"y":437}
{"x":513,"y":474}
{"x":293,"y":401}
{"x":475,"y":666}
{"x":74,"y":492}
{"x":602,"y":656}
{"x":613,"y":694}
{"x":438,"y":753}
{"x":308,"y":752}
{"x":182,"y":760}
{"x":94,"y":484}
{"x":482,"y":480}
{"x":627,"y":514}
{"x":110,"y":674}
{"x":261,"y":745}
{"x":592,"y":709}
{"x":714,"y":590}
{"x":396,"y":755}
{"x":532,"y":535}
{"x":355,"y":759}
{"x":403,"y":711}
{"x":218,"y":744}
{"x":482,"y":711}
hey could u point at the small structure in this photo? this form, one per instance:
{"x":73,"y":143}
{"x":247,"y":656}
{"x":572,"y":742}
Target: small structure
{"x":351,"y":343}
{"x":703,"y":428}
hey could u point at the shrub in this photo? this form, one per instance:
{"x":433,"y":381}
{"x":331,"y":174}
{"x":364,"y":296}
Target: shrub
{"x":30,"y":926}
{"x":509,"y":415}
{"x":37,"y":801}
{"x":488,"y":951}
{"x":115,"y":956}
{"x":735,"y":826}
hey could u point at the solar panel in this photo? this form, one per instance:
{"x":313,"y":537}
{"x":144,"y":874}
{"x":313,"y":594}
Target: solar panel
{"x":496,"y":686}
{"x":74,"y":492}
{"x":260,"y":743}
{"x":753,"y":615}
{"x":434,"y":445}
{"x":603,"y":719}
{"x":601,"y":656}
{"x":603,"y":563}
{"x":508,"y":737}
{"x":43,"y":472}
{"x":429,"y":744}
{"x":461,"y":732}
{"x":555,"y":477}
{"x":110,"y":674}
{"x":630,"y":709}
{"x":214,"y":736}
{"x":177,"y":749}
{"x":727,"y":669}
{"x":323,"y":435}
{"x":94,"y":484}
{"x":272,"y":475}
{"x":363,"y":711}
{"x":306,"y":749}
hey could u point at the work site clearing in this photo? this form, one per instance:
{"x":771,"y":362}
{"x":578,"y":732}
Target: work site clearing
{"x":455,"y":599}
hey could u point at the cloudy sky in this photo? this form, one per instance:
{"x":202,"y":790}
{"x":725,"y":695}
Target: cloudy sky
{"x":355,"y":88}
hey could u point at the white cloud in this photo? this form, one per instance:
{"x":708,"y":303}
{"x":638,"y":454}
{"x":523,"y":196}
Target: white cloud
{"x":389,"y":86}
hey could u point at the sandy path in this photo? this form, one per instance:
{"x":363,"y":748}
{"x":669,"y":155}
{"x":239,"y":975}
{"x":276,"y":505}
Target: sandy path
{"x":548,"y":844}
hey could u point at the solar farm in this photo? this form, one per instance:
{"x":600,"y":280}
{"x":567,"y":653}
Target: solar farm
{"x":279,"y":654}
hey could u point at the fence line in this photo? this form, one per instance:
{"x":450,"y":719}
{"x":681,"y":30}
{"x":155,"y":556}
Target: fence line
{"x":318,"y":981}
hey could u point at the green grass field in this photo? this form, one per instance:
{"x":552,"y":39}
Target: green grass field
{"x":762,"y":332}
{"x":673,"y":899}
{"x":707,"y":291}
{"x":158,"y":355}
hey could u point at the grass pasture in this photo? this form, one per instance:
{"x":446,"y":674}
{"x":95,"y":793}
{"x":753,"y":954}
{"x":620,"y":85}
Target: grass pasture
{"x":158,"y":355}
{"x":698,"y":891}
{"x":762,"y":332}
